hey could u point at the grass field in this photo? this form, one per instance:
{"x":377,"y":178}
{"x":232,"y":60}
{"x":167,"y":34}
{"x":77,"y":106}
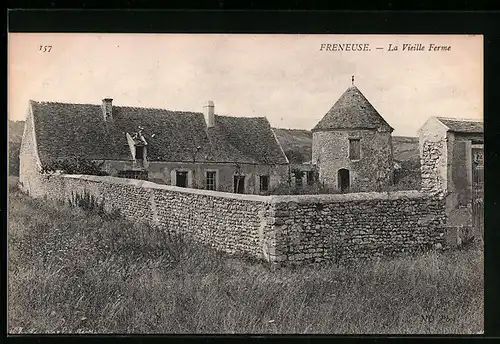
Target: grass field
{"x":71,"y":271}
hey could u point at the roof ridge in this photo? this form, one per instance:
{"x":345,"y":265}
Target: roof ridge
{"x":145,"y":108}
{"x":261,"y":117}
{"x":459,"y":119}
{"x":291,"y":129}
{"x":156,"y":109}
{"x":115,"y":106}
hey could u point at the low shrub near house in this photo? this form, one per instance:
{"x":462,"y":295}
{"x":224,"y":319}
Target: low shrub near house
{"x":72,"y":271}
{"x":290,"y":189}
{"x":75,"y":165}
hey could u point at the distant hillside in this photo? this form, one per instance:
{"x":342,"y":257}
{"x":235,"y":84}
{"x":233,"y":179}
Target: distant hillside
{"x":405,"y":148}
{"x":16,"y":129}
{"x":296,"y":143}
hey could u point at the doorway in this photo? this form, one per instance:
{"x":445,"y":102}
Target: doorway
{"x":343,"y":180}
{"x":239,"y":184}
{"x":478,"y":188}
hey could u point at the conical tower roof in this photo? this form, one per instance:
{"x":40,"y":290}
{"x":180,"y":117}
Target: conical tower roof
{"x":352,"y":111}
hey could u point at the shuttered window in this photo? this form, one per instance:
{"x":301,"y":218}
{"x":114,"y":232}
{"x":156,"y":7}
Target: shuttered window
{"x":354,"y":149}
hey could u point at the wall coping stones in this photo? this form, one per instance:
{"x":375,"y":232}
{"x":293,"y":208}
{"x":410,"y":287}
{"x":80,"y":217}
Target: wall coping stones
{"x":150,"y":185}
{"x":300,"y":199}
{"x":348,"y":197}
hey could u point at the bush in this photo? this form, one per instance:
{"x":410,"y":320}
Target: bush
{"x":289,"y":189}
{"x":75,"y":165}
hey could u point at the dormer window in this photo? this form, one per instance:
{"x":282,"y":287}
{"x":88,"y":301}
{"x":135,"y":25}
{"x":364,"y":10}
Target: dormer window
{"x":139,"y":156}
{"x":354,"y":149}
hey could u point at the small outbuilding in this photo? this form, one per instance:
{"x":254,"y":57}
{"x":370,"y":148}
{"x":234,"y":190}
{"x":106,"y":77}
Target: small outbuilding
{"x":452,"y":164}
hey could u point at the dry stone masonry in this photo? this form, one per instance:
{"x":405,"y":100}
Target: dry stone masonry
{"x":431,"y":162}
{"x":287,"y":229}
{"x":312,"y":228}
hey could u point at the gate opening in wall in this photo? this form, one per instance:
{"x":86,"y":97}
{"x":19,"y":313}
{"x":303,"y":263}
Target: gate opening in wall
{"x":343,"y":180}
{"x":478,"y":189}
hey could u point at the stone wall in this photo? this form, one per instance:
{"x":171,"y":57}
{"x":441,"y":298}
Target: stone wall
{"x":433,"y":166}
{"x":433,"y":157}
{"x":295,"y":229}
{"x":315,"y":228}
{"x":228,"y":222}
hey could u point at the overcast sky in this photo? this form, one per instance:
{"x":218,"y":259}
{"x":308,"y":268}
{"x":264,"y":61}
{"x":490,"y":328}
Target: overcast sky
{"x":285,"y":78}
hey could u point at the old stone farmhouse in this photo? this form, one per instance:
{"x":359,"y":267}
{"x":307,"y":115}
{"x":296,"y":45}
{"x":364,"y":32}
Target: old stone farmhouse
{"x":352,"y":145}
{"x":351,"y":150}
{"x":451,"y":154}
{"x":187,"y":149}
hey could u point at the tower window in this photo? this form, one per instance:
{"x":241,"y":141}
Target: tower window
{"x":354,"y":149}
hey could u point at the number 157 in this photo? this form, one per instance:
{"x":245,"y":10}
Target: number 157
{"x":45,"y":48}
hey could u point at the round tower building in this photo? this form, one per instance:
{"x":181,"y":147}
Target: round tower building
{"x":352,"y":146}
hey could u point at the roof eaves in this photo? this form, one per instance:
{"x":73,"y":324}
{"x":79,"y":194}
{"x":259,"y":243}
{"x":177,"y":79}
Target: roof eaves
{"x":438,"y":119}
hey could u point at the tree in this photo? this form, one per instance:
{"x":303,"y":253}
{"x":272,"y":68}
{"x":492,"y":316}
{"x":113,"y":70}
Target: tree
{"x":295,"y":156}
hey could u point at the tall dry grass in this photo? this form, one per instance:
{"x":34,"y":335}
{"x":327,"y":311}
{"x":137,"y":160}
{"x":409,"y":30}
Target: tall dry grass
{"x":71,"y":271}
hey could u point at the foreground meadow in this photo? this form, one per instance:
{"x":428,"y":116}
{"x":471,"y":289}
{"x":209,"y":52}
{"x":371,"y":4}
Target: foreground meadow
{"x":74,"y":271}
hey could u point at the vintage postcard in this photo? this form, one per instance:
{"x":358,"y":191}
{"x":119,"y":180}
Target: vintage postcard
{"x":245,"y":184}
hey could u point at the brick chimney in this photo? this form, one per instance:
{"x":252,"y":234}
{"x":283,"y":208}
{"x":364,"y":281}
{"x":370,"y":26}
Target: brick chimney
{"x":107,"y":108}
{"x":209,"y":114}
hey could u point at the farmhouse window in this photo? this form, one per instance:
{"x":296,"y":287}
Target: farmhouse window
{"x":211,"y":180}
{"x":181,"y":178}
{"x":264,"y":183}
{"x":354,"y":149}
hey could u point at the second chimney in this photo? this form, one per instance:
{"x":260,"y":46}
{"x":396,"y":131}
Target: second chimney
{"x":209,"y":114}
{"x":107,"y":108}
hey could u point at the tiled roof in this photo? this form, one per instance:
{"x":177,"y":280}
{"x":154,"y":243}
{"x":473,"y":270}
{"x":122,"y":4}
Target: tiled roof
{"x":352,"y":111}
{"x":462,"y":125}
{"x":68,"y":130}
